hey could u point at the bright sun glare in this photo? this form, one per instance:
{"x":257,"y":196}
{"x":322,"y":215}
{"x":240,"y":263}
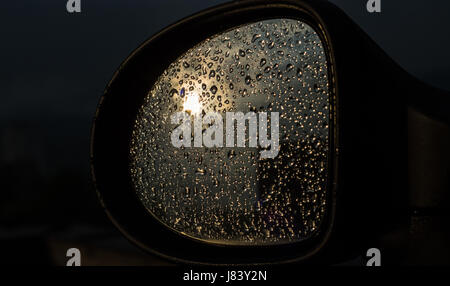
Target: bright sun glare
{"x":192,"y":104}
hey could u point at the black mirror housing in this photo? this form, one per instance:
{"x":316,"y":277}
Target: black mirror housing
{"x":367,"y":171}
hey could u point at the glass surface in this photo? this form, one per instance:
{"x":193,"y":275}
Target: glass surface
{"x":230,"y":194}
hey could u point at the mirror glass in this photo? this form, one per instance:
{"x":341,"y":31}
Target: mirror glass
{"x":231,"y":144}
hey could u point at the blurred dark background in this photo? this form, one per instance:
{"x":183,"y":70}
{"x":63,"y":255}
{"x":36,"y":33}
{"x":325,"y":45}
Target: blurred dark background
{"x":54,"y":67}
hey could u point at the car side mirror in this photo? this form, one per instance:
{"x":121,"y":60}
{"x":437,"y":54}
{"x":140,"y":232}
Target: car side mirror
{"x":257,"y":132}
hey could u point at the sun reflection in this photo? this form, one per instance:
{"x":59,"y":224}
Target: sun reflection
{"x":192,"y":104}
